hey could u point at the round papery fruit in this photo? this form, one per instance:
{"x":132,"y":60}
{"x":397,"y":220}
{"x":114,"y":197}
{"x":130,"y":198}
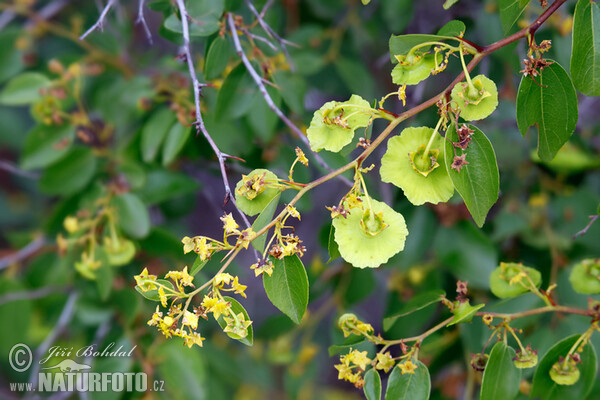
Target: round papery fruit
{"x":255,"y":196}
{"x":500,"y":280}
{"x":565,"y":375}
{"x":410,"y":71}
{"x":332,"y":129}
{"x":585,"y":277}
{"x":526,"y":359}
{"x":421,"y":180}
{"x":366,"y":242}
{"x":478,"y":103}
{"x":119,"y":252}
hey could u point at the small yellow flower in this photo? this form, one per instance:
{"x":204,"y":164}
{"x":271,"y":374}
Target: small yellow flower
{"x":188,"y":244}
{"x":402,"y":94}
{"x":301,"y":157}
{"x":246,"y":236}
{"x":229,"y":224}
{"x":209,"y":302}
{"x":162,"y":296}
{"x":517,"y":278}
{"x":222,"y":279}
{"x":193,"y":338}
{"x":216,"y":306}
{"x":343,"y":371}
{"x":360,"y":358}
{"x":238,"y":288}
{"x":407,"y":367}
{"x":487,"y":319}
{"x":262,"y":267}
{"x":292,"y":211}
{"x":71,"y":224}
{"x":384,"y":361}
{"x":189,"y":319}
{"x":145,"y":281}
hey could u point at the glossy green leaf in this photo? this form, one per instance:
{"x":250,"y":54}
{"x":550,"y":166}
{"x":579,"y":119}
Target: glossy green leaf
{"x":185,"y":372}
{"x":372,"y":386}
{"x":162,"y":185}
{"x":237,"y":308}
{"x":478,"y":182}
{"x":452,"y":28}
{"x":217,"y":58}
{"x":292,"y":88}
{"x":154,"y":132}
{"x":153,"y":294}
{"x":449,"y":3}
{"x":263,"y":220}
{"x":550,"y":102}
{"x":287,"y":287}
{"x":418,"y":302}
{"x":237,"y":93}
{"x":585,"y":56}
{"x":332,"y":246}
{"x":132,"y":215}
{"x":12,"y":60}
{"x":501,"y":379}
{"x":349,"y":343}
{"x":198,"y":266}
{"x":545,"y":388}
{"x":510,"y":11}
{"x":409,"y":386}
{"x":261,"y":118}
{"x":71,"y":174}
{"x":45,"y":145}
{"x":402,"y":44}
{"x":23,"y":89}
{"x":203,"y":20}
{"x":174,"y":142}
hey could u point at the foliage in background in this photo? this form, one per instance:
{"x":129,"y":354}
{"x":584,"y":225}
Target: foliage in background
{"x":127,"y":134}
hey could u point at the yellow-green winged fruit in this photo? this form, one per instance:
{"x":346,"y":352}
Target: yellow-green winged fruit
{"x":585,"y":277}
{"x":333,"y":125}
{"x":412,"y":68}
{"x":119,"y":252}
{"x":368,"y":238}
{"x":526,"y":358}
{"x":255,"y":191}
{"x":422,"y":177}
{"x":478,"y":101}
{"x":565,"y":372}
{"x":464,"y":312}
{"x":512,"y":279}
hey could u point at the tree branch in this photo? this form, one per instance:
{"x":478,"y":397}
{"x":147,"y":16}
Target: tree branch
{"x":31,"y":294}
{"x":22,"y":254}
{"x":263,"y":90}
{"x":100,"y":22}
{"x":142,"y":20}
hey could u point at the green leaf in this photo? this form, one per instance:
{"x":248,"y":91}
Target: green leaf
{"x":449,"y":3}
{"x":350,"y":342}
{"x":154,"y":132}
{"x":418,"y":302}
{"x":261,"y":118}
{"x":203,"y":18}
{"x":287,"y":287}
{"x":71,"y":174}
{"x":501,"y":379}
{"x":550,"y":102}
{"x":452,"y":28}
{"x":372,"y":386}
{"x":162,"y":185}
{"x":12,"y":60}
{"x":236,"y":95}
{"x":332,"y":246}
{"x":292,"y":88}
{"x":510,"y":11}
{"x":263,"y":219}
{"x":237,"y":308}
{"x":217,"y":58}
{"x":349,"y":69}
{"x":153,"y":294}
{"x":545,"y":388}
{"x":132,"y":215}
{"x":44,"y":145}
{"x":402,"y":44}
{"x":477,"y":182}
{"x":409,"y":386}
{"x":585,"y":56}
{"x":198,"y":266}
{"x":464,"y":313}
{"x":176,"y":138}
{"x":23,"y":89}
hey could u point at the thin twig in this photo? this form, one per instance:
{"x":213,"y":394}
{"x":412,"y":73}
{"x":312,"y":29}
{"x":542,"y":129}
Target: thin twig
{"x":100,"y":22}
{"x":22,"y":254}
{"x":13,"y":169}
{"x":593,"y":219}
{"x":263,"y":90}
{"x":199,"y":123}
{"x":63,"y":320}
{"x":142,"y":20}
{"x":269,"y":31}
{"x":32,"y":294}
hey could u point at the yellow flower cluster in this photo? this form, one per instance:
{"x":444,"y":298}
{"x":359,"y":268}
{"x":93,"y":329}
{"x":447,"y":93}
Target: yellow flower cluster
{"x":351,"y":325}
{"x":385,"y":361}
{"x":223,"y":279}
{"x":262,"y":267}
{"x":301,"y":157}
{"x":200,"y":245}
{"x":349,"y":362}
{"x":169,"y":325}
